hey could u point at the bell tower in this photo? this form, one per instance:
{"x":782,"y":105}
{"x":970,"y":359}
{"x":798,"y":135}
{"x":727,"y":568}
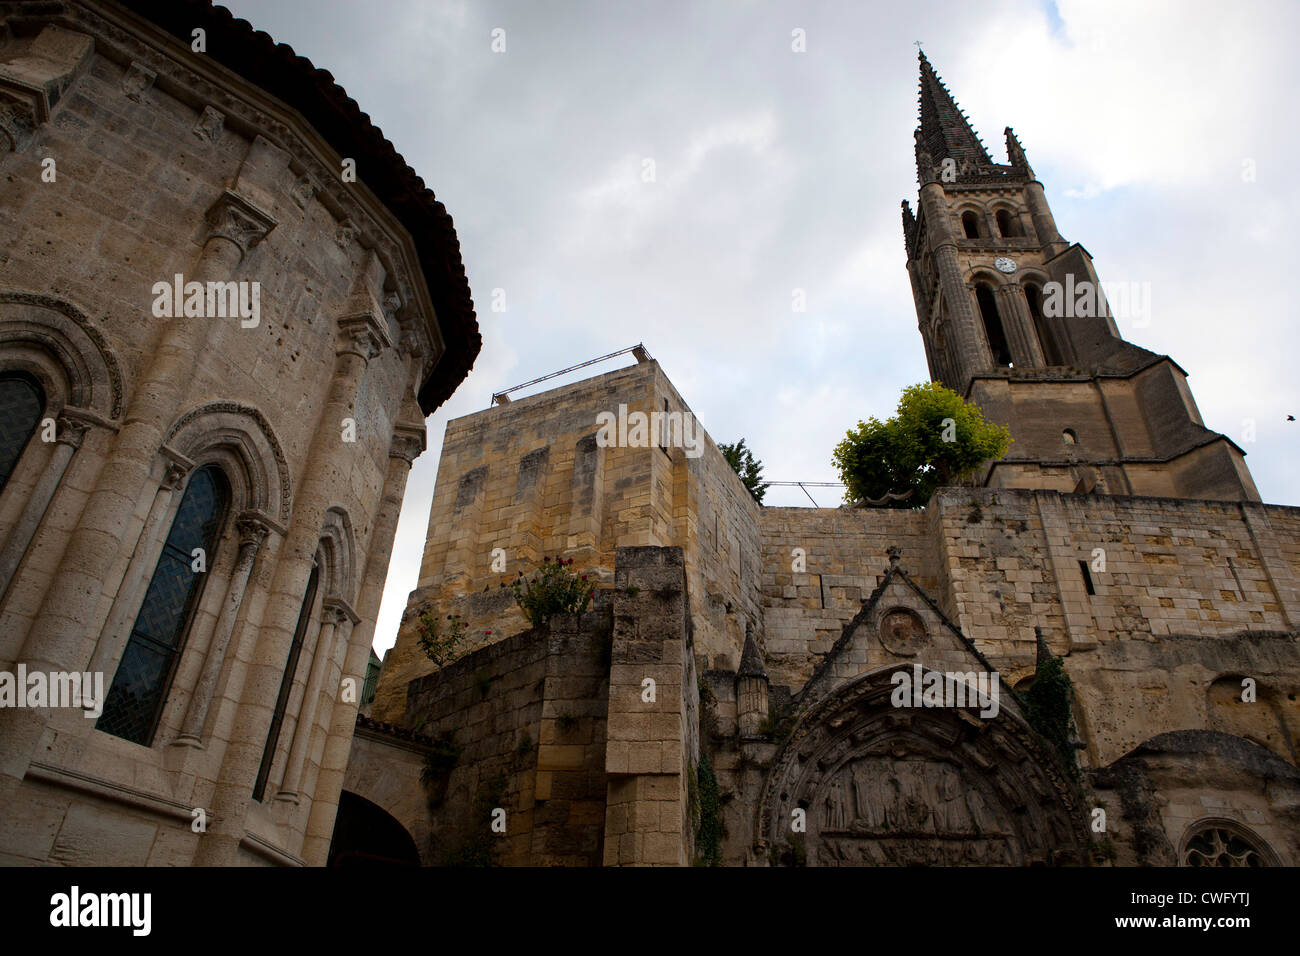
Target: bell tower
{"x":1015,"y":318}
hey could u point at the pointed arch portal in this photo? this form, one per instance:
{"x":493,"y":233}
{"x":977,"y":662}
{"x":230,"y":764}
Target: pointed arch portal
{"x":889,"y":786}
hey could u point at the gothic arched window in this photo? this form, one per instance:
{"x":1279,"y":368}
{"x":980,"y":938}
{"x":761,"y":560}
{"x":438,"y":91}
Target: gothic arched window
{"x":21,"y":404}
{"x":1046,"y":338}
{"x":1008,"y":225}
{"x":135,"y":700}
{"x":970,"y":222}
{"x":997,"y":339}
{"x":1221,"y":844}
{"x":286,"y":682}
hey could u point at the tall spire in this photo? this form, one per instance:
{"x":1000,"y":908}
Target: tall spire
{"x":945,"y":132}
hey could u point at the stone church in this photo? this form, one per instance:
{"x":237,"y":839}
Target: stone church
{"x":1118,"y":536}
{"x":217,"y":353}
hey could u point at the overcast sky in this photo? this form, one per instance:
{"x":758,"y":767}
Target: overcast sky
{"x":776,"y":170}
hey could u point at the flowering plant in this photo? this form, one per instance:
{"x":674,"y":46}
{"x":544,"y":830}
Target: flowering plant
{"x":553,"y":589}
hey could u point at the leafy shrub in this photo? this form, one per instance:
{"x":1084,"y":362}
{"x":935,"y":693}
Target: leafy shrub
{"x":552,"y":589}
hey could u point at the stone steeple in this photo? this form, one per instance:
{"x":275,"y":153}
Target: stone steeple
{"x":1014,"y":317}
{"x":945,"y":130}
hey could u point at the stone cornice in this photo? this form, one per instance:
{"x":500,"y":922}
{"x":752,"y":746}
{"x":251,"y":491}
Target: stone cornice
{"x":249,"y":79}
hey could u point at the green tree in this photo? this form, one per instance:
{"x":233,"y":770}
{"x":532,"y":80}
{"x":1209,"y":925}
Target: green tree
{"x":936,"y":438}
{"x":749,"y":469}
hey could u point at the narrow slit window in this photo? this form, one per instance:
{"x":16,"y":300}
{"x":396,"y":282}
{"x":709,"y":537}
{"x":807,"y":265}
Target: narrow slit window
{"x":286,"y":684}
{"x":1087,"y":578}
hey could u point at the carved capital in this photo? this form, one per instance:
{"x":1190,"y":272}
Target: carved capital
{"x":339,"y":612}
{"x":252,"y":532}
{"x":235,"y":218}
{"x":407,"y":446}
{"x":364,"y":332}
{"x":178,"y":466}
{"x":69,"y":431}
{"x":176,"y":472}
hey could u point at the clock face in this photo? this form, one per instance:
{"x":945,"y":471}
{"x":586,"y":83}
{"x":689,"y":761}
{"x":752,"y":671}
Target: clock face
{"x":1003,"y":264}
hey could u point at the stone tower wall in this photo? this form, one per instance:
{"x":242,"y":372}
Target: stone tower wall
{"x":528,"y":478}
{"x":126,"y":160}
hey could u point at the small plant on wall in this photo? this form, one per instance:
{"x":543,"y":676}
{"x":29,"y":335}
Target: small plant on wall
{"x":440,"y":642}
{"x":552,"y":589}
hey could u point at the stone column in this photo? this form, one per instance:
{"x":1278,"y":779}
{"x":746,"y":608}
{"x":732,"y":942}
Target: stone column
{"x":68,"y":612}
{"x":69,"y":432}
{"x":363,"y":336}
{"x":1044,"y":225}
{"x":966,"y":347}
{"x":252,"y":532}
{"x":336,"y":625}
{"x":407,"y":445}
{"x":68,"y":622}
{"x":1018,"y":325}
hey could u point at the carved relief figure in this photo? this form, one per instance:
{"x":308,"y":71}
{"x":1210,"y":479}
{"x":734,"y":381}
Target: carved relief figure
{"x":902,"y":632}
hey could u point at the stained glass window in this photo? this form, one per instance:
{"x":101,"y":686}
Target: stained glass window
{"x":21,"y":403}
{"x":134,"y":701}
{"x":286,"y":684}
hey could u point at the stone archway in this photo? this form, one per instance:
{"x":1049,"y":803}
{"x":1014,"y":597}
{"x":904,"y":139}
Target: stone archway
{"x":880,"y":785}
{"x":367,"y":835}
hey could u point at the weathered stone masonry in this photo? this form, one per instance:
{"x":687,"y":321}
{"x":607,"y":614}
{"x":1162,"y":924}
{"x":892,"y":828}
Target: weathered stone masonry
{"x":128,"y":158}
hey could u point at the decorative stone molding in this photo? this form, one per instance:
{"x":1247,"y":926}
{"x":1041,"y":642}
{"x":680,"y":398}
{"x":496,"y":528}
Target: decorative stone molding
{"x":92,"y":377}
{"x":1220,"y":842}
{"x":339,"y":611}
{"x":346,"y":233}
{"x":235,"y":218}
{"x":34,"y":81}
{"x":253,"y":529}
{"x":69,"y":431}
{"x":137,"y":82}
{"x":365,"y":331}
{"x":178,"y":467}
{"x":210,"y":125}
{"x":409,"y":441}
{"x":885,"y":785}
{"x":18,"y":121}
{"x":246,"y":434}
{"x":303,"y":191}
{"x":392,"y":305}
{"x":338,"y":545}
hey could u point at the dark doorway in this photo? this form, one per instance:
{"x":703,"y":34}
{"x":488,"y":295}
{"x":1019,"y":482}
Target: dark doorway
{"x":367,"y":835}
